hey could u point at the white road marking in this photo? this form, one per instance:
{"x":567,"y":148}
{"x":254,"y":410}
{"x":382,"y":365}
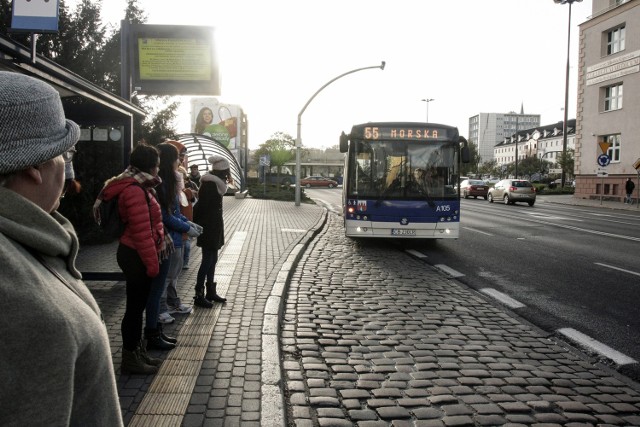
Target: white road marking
{"x":569,"y":227}
{"x":597,"y":346}
{"x":477,"y":231}
{"x":546,"y":216}
{"x":617,"y":268}
{"x":503,"y":298}
{"x":450,"y":271}
{"x":416,"y":253}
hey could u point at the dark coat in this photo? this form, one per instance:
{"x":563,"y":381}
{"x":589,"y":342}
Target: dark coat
{"x":629,"y":186}
{"x":207,"y":212}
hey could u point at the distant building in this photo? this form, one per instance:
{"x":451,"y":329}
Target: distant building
{"x":488,"y":129}
{"x":609,"y":67}
{"x":543,"y":142}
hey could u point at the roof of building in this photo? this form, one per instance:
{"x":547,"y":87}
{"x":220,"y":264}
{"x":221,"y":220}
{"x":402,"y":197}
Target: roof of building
{"x":547,"y":131}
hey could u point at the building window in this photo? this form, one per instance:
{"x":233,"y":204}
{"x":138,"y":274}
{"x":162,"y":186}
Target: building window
{"x":615,"y":40}
{"x":614,"y":148}
{"x":613,"y":97}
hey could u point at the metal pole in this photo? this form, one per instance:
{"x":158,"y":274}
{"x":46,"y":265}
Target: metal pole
{"x":299,"y":126}
{"x":516,"y":146}
{"x":427,"y":100}
{"x":566,"y":104}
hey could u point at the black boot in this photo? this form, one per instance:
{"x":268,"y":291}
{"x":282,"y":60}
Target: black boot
{"x":133,"y":363}
{"x":153,"y":361}
{"x":201,"y":301}
{"x":212,"y":295}
{"x":154,"y":340}
{"x":168,"y":339}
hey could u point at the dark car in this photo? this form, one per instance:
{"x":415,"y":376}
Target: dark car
{"x":318,"y":181}
{"x":510,"y":191}
{"x":473,"y":188}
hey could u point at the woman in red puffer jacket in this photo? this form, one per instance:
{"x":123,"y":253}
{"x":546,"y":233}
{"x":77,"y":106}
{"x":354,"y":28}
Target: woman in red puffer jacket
{"x":139,"y":248}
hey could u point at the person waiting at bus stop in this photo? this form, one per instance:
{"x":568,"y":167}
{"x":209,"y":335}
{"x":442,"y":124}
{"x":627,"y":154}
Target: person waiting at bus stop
{"x":56,"y":365}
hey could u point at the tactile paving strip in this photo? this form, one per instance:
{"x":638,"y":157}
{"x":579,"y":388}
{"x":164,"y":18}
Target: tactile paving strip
{"x":170,"y":392}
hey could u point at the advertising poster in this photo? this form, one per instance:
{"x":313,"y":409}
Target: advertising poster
{"x":218,"y":121}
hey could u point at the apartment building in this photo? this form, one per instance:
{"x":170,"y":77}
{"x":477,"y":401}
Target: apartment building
{"x":488,"y":129}
{"x":543,"y":142}
{"x":608,"y":110}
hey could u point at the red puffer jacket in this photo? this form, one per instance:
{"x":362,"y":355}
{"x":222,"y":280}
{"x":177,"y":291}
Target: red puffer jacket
{"x":141,"y":234}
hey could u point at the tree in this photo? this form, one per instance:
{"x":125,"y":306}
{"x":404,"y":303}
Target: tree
{"x":280,"y":147}
{"x":84,"y":45}
{"x":474,"y":161}
{"x":566,"y":162}
{"x":160,"y":126}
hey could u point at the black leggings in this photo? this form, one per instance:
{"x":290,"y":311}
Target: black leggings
{"x":138,"y":286}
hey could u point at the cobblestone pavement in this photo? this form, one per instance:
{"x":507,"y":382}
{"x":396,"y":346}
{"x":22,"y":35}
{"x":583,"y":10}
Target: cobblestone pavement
{"x":373,"y":337}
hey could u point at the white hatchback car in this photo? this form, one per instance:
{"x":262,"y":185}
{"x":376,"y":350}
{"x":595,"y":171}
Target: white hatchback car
{"x":510,"y":191}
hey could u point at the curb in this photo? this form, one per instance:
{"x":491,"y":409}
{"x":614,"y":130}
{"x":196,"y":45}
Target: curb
{"x":272,"y":394}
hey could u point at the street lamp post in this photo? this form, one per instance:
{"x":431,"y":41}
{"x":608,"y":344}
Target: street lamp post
{"x":566,"y":91}
{"x":428,"y":101}
{"x":516,"y":171}
{"x":299,"y":127}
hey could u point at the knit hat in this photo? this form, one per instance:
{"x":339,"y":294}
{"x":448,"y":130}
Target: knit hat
{"x":181,"y":148}
{"x":33,"y":128}
{"x":218,"y":163}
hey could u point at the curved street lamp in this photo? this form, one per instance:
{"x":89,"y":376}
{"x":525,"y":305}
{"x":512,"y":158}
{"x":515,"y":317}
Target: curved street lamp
{"x":566,"y":90}
{"x":428,"y":101}
{"x":298,"y":136}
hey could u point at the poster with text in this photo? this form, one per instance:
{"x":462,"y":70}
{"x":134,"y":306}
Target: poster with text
{"x":219,"y":121}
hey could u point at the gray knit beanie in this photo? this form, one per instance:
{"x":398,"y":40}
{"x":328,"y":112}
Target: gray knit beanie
{"x":33,"y":128}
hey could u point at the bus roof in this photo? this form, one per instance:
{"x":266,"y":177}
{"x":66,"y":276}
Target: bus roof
{"x":410,"y":131}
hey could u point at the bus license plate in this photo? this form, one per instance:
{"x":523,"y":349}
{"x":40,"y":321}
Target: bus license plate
{"x":402,"y":232}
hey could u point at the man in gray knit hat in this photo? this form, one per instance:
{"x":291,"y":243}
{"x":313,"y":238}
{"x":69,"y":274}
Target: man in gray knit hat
{"x":55,"y":360}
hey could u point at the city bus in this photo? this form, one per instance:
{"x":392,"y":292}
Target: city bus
{"x":401,"y":180}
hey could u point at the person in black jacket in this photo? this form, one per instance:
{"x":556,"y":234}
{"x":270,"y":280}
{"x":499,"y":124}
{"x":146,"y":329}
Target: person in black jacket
{"x":208,"y":213}
{"x":629,"y":186}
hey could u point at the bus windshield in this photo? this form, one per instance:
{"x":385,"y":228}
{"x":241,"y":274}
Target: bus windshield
{"x":403,"y":170}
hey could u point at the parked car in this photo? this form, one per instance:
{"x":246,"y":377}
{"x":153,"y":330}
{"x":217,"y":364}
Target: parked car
{"x":473,"y":188}
{"x":510,"y":191}
{"x":318,"y":181}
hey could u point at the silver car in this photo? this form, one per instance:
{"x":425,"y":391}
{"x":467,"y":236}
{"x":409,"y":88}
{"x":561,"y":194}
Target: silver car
{"x":510,"y":191}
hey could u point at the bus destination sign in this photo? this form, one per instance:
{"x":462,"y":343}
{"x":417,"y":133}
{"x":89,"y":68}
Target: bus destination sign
{"x":409,"y":133}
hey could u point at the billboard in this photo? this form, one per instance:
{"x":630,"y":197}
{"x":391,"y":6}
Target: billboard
{"x":173,"y":60}
{"x":222,"y":122}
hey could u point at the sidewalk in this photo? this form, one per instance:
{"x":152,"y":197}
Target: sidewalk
{"x":225,"y":370}
{"x":305,"y":337}
{"x":569,"y":199}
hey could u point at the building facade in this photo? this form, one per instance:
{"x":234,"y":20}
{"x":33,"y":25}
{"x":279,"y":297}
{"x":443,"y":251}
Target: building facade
{"x":608,"y":107}
{"x":543,"y":142}
{"x":488,"y":129}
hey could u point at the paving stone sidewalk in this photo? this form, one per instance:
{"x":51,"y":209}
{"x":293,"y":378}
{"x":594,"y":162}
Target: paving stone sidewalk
{"x":226,"y":389}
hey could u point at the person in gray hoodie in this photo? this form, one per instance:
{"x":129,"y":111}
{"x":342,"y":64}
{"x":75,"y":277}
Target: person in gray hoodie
{"x":55,"y":360}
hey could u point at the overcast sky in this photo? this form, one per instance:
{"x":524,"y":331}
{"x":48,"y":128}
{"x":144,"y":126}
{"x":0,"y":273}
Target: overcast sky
{"x":470,"y":56}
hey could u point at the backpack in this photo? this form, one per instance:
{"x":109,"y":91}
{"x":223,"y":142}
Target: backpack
{"x":110,"y":222}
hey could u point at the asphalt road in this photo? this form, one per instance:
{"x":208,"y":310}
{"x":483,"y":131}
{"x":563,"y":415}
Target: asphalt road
{"x":572,"y":271}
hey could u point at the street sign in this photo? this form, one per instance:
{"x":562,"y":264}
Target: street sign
{"x":604,"y":160}
{"x":601,"y":172}
{"x":636,"y":165}
{"x":604,"y":146}
{"x":265,"y":160}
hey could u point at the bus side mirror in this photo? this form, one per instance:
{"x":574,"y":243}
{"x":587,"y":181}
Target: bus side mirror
{"x":344,"y":142}
{"x":465,"y":157}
